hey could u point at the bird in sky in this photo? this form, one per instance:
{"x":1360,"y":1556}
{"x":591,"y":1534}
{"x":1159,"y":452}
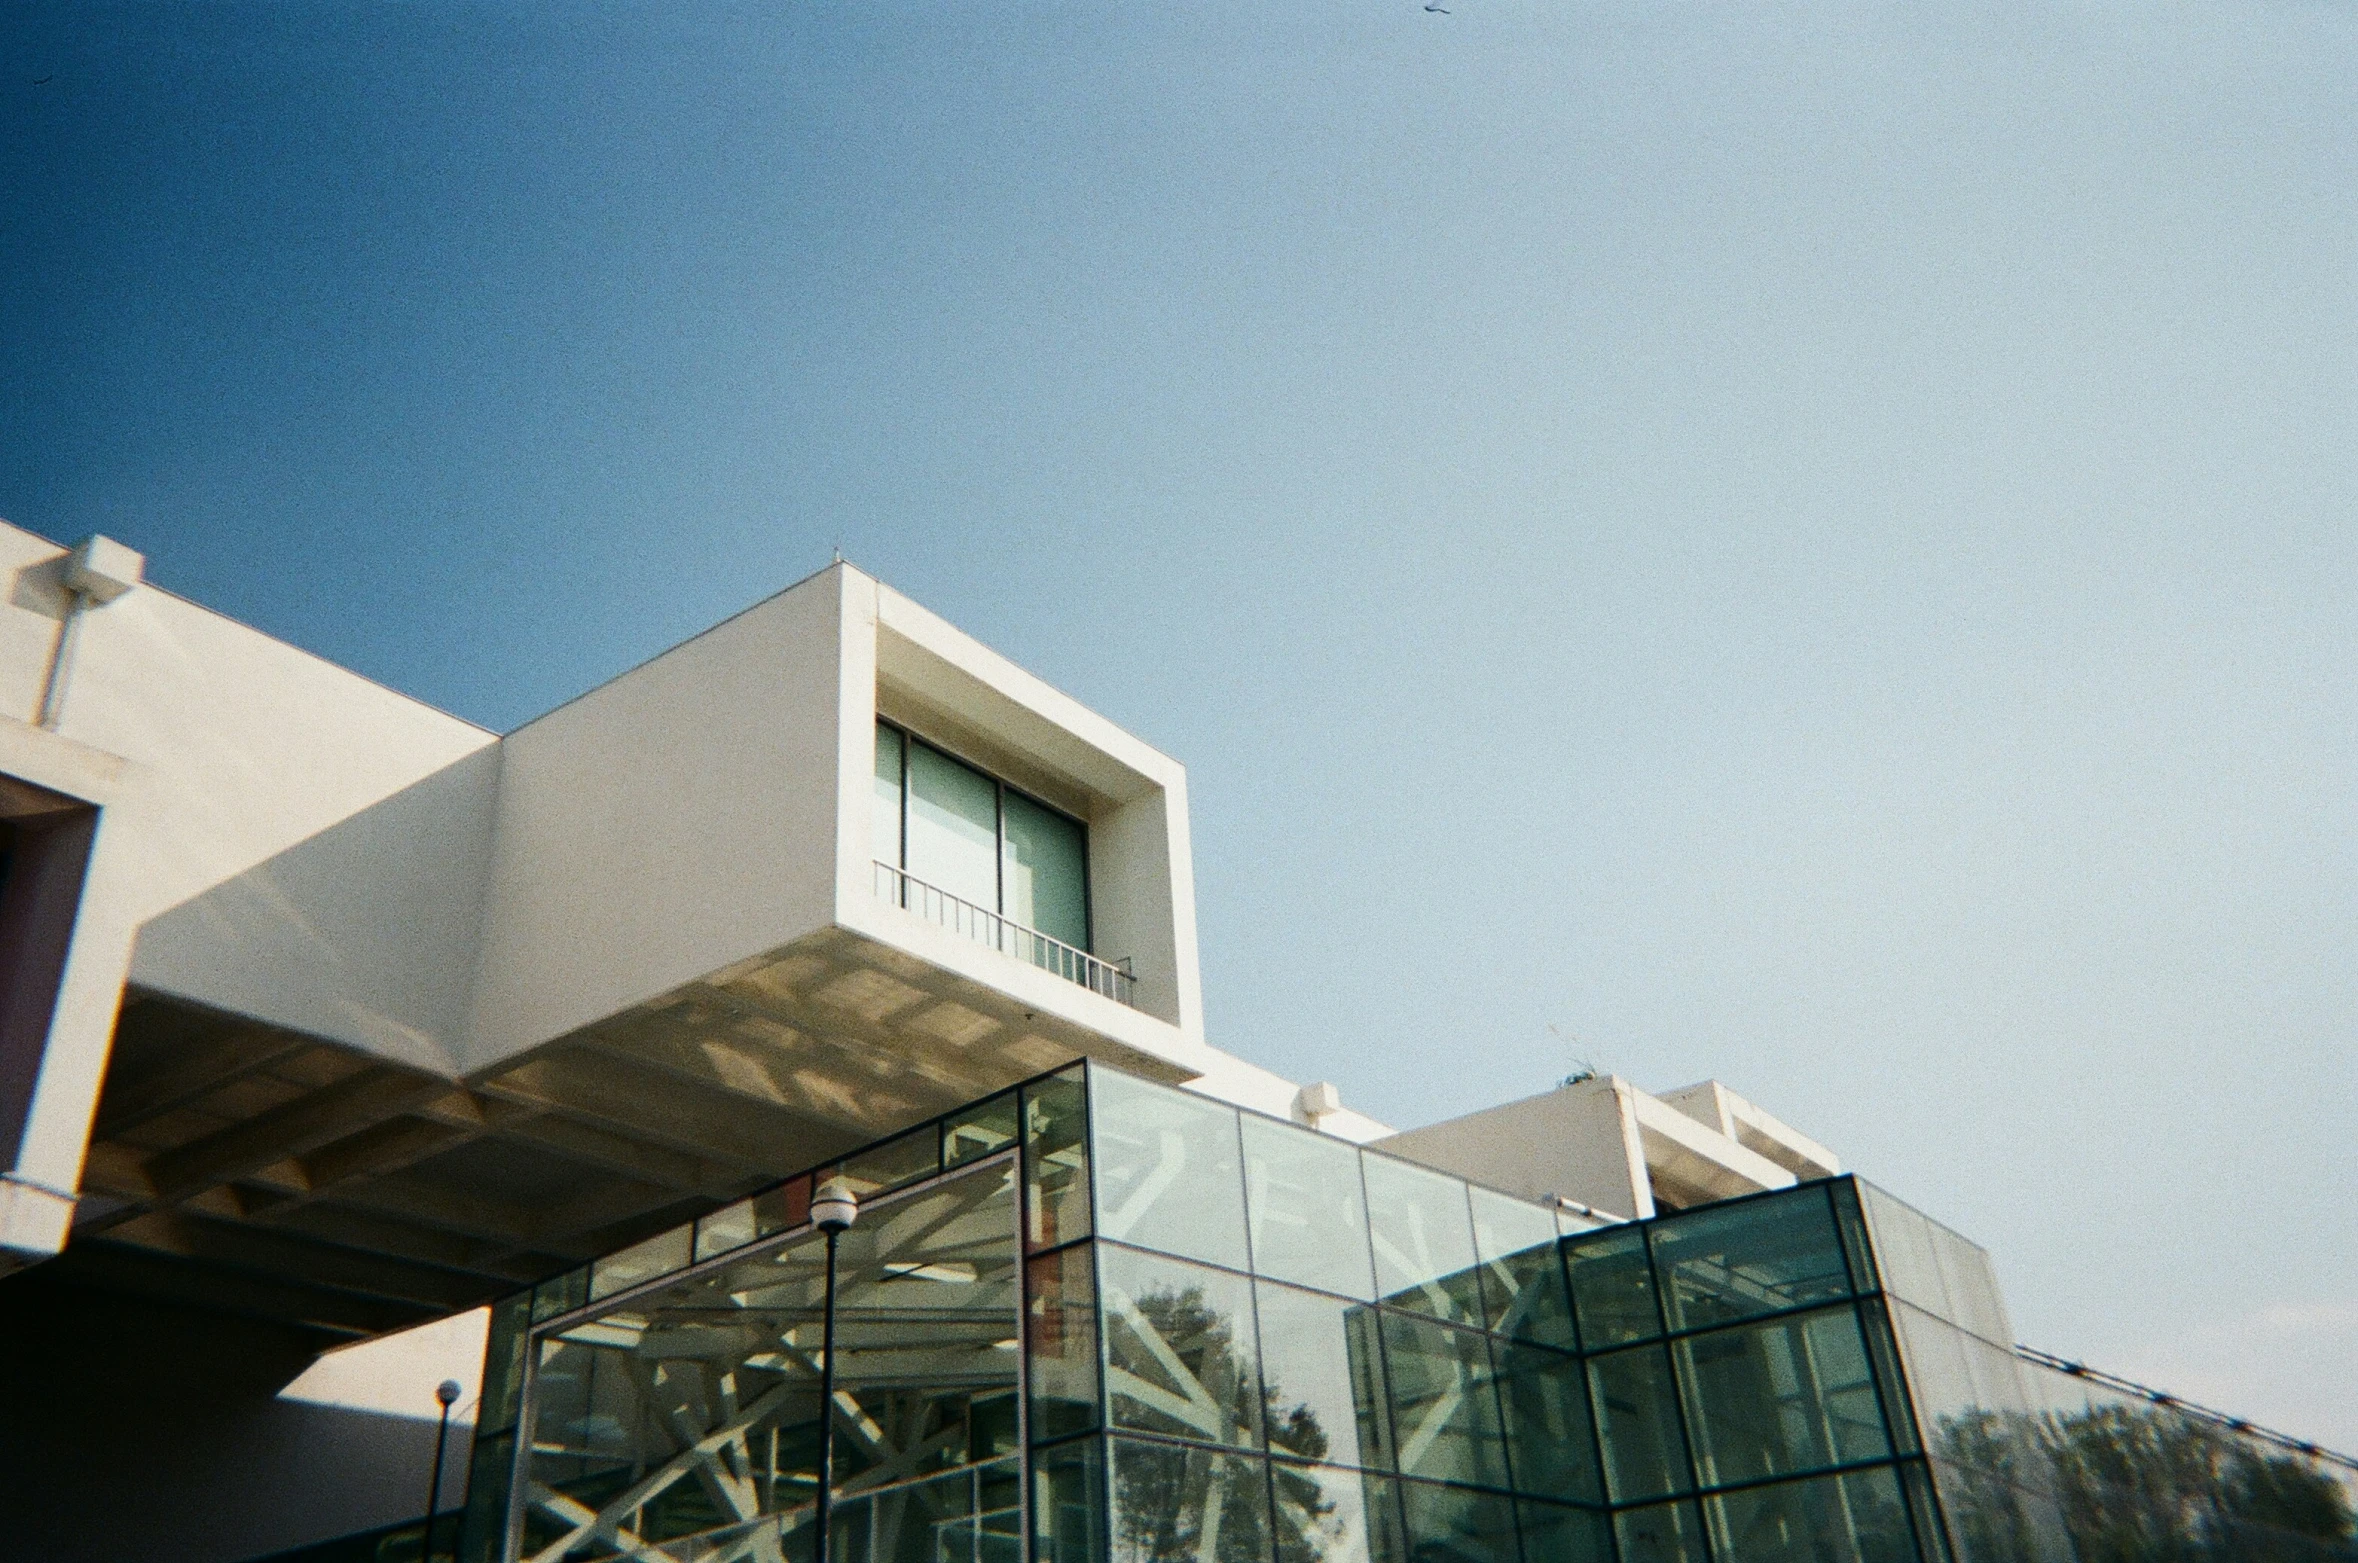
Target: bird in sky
{"x":1438,"y":9}
{"x":43,"y":81}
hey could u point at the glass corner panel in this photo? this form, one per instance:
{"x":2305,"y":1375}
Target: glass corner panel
{"x":1852,"y":1219}
{"x":1757,"y":1256}
{"x":1068,"y":1503}
{"x":1780,"y":1397}
{"x":491,"y":1474}
{"x":1612,"y":1287}
{"x":1061,"y":1335}
{"x":984,"y":1129}
{"x":1176,"y":1503}
{"x":1308,"y":1221}
{"x":1056,"y":1159}
{"x":1904,"y":1255}
{"x":1169,"y":1169}
{"x":1899,"y":1411}
{"x":504,"y":1345}
{"x":1932,"y":1540}
{"x":1422,"y":1228}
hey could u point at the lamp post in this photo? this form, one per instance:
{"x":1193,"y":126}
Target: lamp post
{"x":447,"y":1392}
{"x":833,"y":1209}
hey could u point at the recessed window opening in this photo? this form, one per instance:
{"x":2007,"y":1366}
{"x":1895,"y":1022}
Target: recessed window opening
{"x":969,"y":835}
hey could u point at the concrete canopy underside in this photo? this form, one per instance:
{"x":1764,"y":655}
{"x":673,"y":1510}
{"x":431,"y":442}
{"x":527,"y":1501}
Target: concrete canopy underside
{"x":250,"y":1169}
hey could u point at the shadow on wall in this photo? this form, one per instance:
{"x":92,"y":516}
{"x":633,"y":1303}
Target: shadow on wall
{"x":203,"y":1464}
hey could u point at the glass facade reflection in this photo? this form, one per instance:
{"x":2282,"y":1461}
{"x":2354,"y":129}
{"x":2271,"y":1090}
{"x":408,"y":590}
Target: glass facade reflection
{"x":1096,"y":1320}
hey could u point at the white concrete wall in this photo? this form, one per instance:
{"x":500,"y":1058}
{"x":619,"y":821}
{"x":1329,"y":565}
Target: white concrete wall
{"x":210,"y":748}
{"x":1579,"y":1142}
{"x":673,"y":821}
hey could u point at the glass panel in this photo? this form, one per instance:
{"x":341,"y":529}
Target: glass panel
{"x":1974,"y":1300}
{"x":1612,"y":1287}
{"x":1323,"y":1377}
{"x":1522,"y":1276}
{"x":1740,"y":1261}
{"x":1177,"y":1504}
{"x":622,"y":1402}
{"x":772,"y":1210}
{"x":1056,"y":1160}
{"x":1772,"y":1399}
{"x":1424,"y":1241}
{"x":1067,"y":1499}
{"x":1168,"y":1170}
{"x":1326,"y":1515}
{"x":1444,"y":1408}
{"x":979,"y":1131}
{"x":491,"y":1475}
{"x":894,"y":1164}
{"x":926,"y":1319}
{"x":1665,"y":1533}
{"x":1859,"y":1517}
{"x":884,"y":806}
{"x":658,"y":1255}
{"x":1931,"y":1541}
{"x":1637,"y":1422}
{"x":1903,"y":1251}
{"x":1179,"y":1355}
{"x":1898,"y":1408}
{"x":1545,"y":1399}
{"x":1553,"y":1533}
{"x":504,"y":1345}
{"x":1047,"y":871}
{"x":1309,"y":1225}
{"x":953,"y":827}
{"x":561,"y":1295}
{"x":1855,"y":1243}
{"x":688,"y":1420}
{"x":1457,"y":1524}
{"x":1063,"y":1342}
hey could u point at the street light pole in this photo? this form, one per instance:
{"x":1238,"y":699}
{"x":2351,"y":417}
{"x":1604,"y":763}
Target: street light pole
{"x":833,"y":1209}
{"x":447,"y":1392}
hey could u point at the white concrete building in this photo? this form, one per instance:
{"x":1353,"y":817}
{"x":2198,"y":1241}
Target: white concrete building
{"x":328,"y":1014}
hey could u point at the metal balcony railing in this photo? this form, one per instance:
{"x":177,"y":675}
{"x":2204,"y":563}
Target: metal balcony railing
{"x":936,"y":905}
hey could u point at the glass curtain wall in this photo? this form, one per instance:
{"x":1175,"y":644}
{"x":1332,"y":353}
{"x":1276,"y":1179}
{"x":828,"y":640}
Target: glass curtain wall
{"x":2038,"y":1464}
{"x":964,"y":832}
{"x":1139,"y":1326}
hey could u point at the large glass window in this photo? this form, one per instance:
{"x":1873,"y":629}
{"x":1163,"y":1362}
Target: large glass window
{"x":1544,"y":1396}
{"x":1458,"y":1524}
{"x":1168,"y":1174}
{"x":1859,"y":1517}
{"x":688,"y":1418}
{"x":1325,"y":1515}
{"x":1309,"y":1225}
{"x":1637,"y":1422}
{"x":1522,"y":1276}
{"x":1323,"y":1375}
{"x":1784,"y":1396}
{"x":1424,"y":1241}
{"x":1179,"y":1348}
{"x":1175,"y":1503}
{"x":1612,"y":1287}
{"x":1444,"y":1406}
{"x":965,"y":832}
{"x":1740,"y":1261}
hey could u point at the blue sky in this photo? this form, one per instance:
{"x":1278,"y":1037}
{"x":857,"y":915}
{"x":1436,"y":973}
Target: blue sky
{"x":1811,"y":544}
